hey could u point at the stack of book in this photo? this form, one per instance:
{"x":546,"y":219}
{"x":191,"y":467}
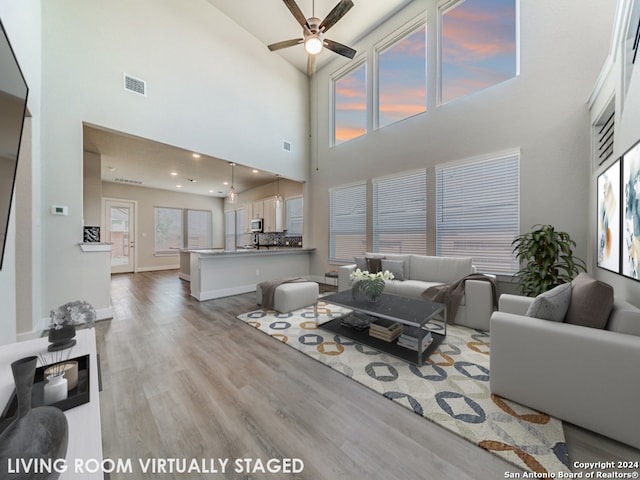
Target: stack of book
{"x":385,"y":329}
{"x":410,"y":339}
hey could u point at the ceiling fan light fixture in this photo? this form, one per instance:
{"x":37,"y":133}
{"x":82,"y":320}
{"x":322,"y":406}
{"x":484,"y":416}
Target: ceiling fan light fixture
{"x":313,"y":44}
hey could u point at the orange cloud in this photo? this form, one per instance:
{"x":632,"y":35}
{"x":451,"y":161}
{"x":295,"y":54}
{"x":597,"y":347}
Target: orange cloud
{"x":471,"y":35}
{"x":347,"y":133}
{"x":351,"y":107}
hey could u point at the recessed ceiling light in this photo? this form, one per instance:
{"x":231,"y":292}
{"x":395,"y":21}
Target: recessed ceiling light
{"x":225,"y":183}
{"x":195,"y":155}
{"x":210,"y":191}
{"x":178,"y":186}
{"x":255,"y":171}
{"x":174,"y":173}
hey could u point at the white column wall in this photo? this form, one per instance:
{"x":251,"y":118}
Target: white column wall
{"x":212,"y":88}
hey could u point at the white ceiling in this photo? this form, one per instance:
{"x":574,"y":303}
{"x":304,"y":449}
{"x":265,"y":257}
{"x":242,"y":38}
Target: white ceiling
{"x":270,"y":21}
{"x":137,"y":159}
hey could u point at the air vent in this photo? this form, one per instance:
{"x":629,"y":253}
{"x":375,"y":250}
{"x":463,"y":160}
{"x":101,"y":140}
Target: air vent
{"x":604,"y":129}
{"x":286,"y":146}
{"x":135,"y":85}
{"x":126,"y":180}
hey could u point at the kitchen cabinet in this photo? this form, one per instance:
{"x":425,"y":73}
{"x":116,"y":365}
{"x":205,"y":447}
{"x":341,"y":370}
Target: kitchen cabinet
{"x":258,"y":209}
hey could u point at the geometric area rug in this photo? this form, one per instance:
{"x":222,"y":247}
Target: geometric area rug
{"x":451,"y":389}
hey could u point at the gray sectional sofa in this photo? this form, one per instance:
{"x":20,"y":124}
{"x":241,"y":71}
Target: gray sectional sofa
{"x":587,"y":376}
{"x":419,"y":272}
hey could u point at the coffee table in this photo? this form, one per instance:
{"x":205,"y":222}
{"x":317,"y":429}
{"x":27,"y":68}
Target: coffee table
{"x":424,"y":316}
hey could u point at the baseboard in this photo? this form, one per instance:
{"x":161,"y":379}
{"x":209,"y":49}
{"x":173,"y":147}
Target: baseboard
{"x":104,"y":313}
{"x":21,"y":337}
{"x":158,"y":269}
{"x":225,"y":292}
{"x":184,"y":276}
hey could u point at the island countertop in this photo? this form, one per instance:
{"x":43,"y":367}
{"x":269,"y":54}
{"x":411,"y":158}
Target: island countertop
{"x":252,"y":251}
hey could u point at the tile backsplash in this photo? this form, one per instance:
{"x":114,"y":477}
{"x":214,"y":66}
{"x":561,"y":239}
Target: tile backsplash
{"x":279,"y":240}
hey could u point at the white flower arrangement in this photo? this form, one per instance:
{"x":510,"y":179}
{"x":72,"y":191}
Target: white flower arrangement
{"x":73,"y":313}
{"x":364,"y":275}
{"x":371,"y":284}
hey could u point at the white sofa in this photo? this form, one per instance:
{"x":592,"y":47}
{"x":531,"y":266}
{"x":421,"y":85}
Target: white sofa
{"x":586,"y":376}
{"x":422,"y":272}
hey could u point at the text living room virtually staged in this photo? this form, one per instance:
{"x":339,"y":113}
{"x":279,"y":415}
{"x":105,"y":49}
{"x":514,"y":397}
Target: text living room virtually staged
{"x":332,"y":239}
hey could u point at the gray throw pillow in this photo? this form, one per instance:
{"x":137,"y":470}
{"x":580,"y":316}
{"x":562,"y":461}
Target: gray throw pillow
{"x":591,"y":302}
{"x":394,"y":266}
{"x":361,"y":263}
{"x":551,"y":305}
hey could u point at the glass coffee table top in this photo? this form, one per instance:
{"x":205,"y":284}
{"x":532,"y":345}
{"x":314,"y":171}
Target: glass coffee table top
{"x":414,"y":314}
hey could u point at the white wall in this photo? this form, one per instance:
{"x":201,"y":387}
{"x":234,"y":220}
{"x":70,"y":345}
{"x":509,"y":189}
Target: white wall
{"x":627,"y":133}
{"x":21,"y":19}
{"x":212,"y":88}
{"x":147,"y":199}
{"x":542,"y":112}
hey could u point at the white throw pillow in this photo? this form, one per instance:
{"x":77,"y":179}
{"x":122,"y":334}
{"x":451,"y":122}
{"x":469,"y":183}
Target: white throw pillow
{"x":551,"y":305}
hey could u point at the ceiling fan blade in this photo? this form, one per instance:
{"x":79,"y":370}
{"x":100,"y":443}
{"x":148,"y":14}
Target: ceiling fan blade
{"x":295,"y":10}
{"x":336,"y":14}
{"x":340,"y":48}
{"x":311,"y":65}
{"x":285,"y":44}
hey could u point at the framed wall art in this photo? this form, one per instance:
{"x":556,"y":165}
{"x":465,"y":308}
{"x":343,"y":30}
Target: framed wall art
{"x":609,"y":203}
{"x":631,"y":213}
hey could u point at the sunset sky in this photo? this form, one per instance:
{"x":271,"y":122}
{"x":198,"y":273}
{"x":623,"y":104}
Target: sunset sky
{"x":478,"y":46}
{"x":478,"y":51}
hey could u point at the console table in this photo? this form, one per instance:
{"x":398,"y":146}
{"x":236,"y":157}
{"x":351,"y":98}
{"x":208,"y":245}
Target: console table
{"x":85,"y":435}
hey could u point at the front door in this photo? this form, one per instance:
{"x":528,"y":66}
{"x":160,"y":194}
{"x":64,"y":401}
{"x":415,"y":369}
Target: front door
{"x":120,"y":232}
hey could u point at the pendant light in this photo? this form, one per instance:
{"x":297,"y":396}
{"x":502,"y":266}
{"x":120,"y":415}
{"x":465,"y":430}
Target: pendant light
{"x":232,"y":196}
{"x":278,"y":197}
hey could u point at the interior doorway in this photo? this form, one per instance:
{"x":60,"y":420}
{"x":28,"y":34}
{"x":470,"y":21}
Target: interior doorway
{"x":120,"y":221}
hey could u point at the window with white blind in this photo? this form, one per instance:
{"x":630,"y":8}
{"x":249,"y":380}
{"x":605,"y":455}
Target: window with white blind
{"x":168,"y":230}
{"x":230,"y":230}
{"x":242,"y":236}
{"x":181,"y":228}
{"x":477,"y":210}
{"x":400,"y":213}
{"x":347,"y":222}
{"x":293,"y":216}
{"x":199,"y":231}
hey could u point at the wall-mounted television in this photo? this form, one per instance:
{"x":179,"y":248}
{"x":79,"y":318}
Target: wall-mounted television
{"x":13,"y":107}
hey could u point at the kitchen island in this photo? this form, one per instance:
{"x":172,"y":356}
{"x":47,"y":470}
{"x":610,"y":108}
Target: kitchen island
{"x":215,"y":273}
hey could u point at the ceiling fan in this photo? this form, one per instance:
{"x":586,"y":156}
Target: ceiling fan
{"x":313,"y":31}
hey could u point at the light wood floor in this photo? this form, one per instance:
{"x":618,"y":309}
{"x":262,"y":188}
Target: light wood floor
{"x":185,"y":379}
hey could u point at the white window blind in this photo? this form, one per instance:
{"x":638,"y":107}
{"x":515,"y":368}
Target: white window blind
{"x":477,"y":209}
{"x":168,"y":230}
{"x":400,"y":213}
{"x":347,"y":222}
{"x":199,"y":230}
{"x":242,"y":236}
{"x":230,"y":230}
{"x":293,"y":215}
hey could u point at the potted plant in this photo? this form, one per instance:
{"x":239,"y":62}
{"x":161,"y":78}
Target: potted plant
{"x":546,"y":259}
{"x":64,"y":319}
{"x":371,"y":284}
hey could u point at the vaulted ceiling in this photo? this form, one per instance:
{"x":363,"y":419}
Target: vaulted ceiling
{"x":270,"y":21}
{"x":128,"y":159}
